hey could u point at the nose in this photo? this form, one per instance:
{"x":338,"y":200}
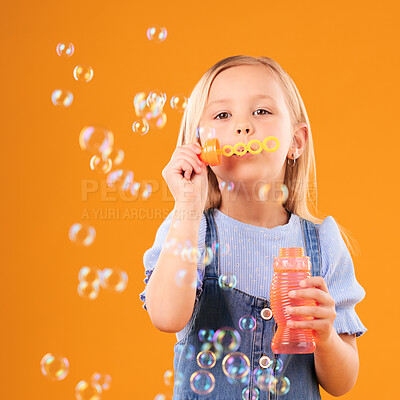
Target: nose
{"x":244,"y":129}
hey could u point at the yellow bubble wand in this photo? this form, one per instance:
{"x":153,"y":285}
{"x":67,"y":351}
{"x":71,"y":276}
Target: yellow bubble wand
{"x":212,"y":153}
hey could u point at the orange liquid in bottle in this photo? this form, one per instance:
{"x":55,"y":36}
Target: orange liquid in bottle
{"x":289,"y":269}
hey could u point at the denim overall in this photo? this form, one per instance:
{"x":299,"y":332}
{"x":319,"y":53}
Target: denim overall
{"x":219,"y":308}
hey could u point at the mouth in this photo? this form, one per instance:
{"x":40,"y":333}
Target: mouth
{"x":247,"y":155}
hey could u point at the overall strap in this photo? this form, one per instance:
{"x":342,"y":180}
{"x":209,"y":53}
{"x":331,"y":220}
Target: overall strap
{"x":211,"y":270}
{"x":311,"y":240}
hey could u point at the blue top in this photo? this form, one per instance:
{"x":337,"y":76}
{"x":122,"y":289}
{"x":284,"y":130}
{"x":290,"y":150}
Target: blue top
{"x":248,"y":252}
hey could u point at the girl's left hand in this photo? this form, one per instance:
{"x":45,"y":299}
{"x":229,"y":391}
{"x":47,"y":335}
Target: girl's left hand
{"x":324,"y":312}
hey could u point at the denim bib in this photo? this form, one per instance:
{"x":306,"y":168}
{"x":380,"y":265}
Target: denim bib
{"x":218,"y":308}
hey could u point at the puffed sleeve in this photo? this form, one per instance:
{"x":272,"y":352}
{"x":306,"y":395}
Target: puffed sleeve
{"x":338,"y":272}
{"x":151,"y":255}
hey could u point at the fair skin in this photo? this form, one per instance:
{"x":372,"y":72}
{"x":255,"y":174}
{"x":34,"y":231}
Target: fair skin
{"x":240,"y":119}
{"x":244,"y":117}
{"x":170,"y":306}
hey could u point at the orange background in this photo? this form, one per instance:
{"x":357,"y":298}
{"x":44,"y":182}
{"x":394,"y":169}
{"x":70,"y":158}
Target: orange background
{"x":344,"y":59}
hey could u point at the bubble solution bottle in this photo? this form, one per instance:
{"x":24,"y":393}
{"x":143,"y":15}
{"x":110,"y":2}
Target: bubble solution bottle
{"x":289,"y":269}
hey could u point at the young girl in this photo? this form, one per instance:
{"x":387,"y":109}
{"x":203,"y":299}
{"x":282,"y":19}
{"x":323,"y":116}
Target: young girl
{"x":218,"y":208}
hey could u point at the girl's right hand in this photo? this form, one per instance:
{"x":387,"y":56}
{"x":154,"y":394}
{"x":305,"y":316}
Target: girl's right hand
{"x":186,"y":176}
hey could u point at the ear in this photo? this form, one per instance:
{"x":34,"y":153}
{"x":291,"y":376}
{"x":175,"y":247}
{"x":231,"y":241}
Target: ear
{"x":299,"y":140}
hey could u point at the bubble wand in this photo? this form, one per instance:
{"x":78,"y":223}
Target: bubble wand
{"x":212,"y":153}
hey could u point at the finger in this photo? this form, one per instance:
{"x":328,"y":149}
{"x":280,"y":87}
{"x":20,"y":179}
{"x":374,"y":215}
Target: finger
{"x":319,"y":325}
{"x":195,"y":146}
{"x":312,"y":293}
{"x":191,"y":154}
{"x":316,"y":312}
{"x":185,"y":167}
{"x":314,"y":281}
{"x":188,"y":159}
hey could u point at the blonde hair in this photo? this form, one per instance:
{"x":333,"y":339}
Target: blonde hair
{"x":301,"y":179}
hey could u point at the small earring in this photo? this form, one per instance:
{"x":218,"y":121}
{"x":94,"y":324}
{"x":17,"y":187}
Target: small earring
{"x":294,"y":161}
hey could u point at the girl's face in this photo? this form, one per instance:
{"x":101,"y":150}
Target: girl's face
{"x":246,"y":103}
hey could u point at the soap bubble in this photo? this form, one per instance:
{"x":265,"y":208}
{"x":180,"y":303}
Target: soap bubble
{"x":190,"y":254}
{"x":120,"y":179}
{"x":242,"y":381}
{"x":179,"y":102}
{"x":228,"y":338}
{"x":206,"y":335}
{"x":82,"y":234}
{"x":283,"y":193}
{"x":140,"y":126}
{"x":169,"y":377}
{"x":280,"y":194}
{"x":216,"y":348}
{"x":157,"y":33}
{"x":99,"y":164}
{"x":227,"y":281}
{"x":113,"y":279}
{"x":223,"y":249}
{"x":65,"y":49}
{"x":253,"y":394}
{"x":247,"y":323}
{"x":277,"y":365}
{"x":202,"y":382}
{"x":263,"y":191}
{"x":104,"y":380}
{"x":88,"y":290}
{"x":54,"y":367}
{"x":147,"y":190}
{"x":208,"y":256}
{"x":186,"y":351}
{"x":279,"y":385}
{"x":90,"y":275}
{"x":206,"y":132}
{"x":263,"y":377}
{"x":156,"y":97}
{"x":178,"y":378}
{"x":228,"y":186}
{"x":236,"y":365}
{"x":183,"y":278}
{"x":152,"y":113}
{"x":83,"y":73}
{"x":116,"y":155}
{"x":88,"y":391}
{"x":134,"y":188}
{"x":96,"y":139}
{"x":206,"y":359}
{"x":62,"y":97}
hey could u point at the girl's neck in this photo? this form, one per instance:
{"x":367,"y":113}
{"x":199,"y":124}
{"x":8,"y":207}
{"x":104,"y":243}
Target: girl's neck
{"x":256,"y":213}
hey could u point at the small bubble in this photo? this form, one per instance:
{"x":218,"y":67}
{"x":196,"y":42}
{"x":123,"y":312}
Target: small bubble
{"x":83,"y":73}
{"x":88,"y":290}
{"x":62,"y":97}
{"x":202,"y":382}
{"x":179,"y":102}
{"x":104,"y":380}
{"x":54,"y":367}
{"x":65,"y":49}
{"x":236,"y":365}
{"x":206,"y":359}
{"x":157,"y":33}
{"x":140,"y":126}
{"x":82,"y":234}
{"x":227,"y":281}
{"x":88,"y":391}
{"x":114,"y":279}
{"x":247,"y":323}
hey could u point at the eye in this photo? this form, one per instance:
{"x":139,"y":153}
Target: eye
{"x":260,"y":109}
{"x":220,"y":114}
